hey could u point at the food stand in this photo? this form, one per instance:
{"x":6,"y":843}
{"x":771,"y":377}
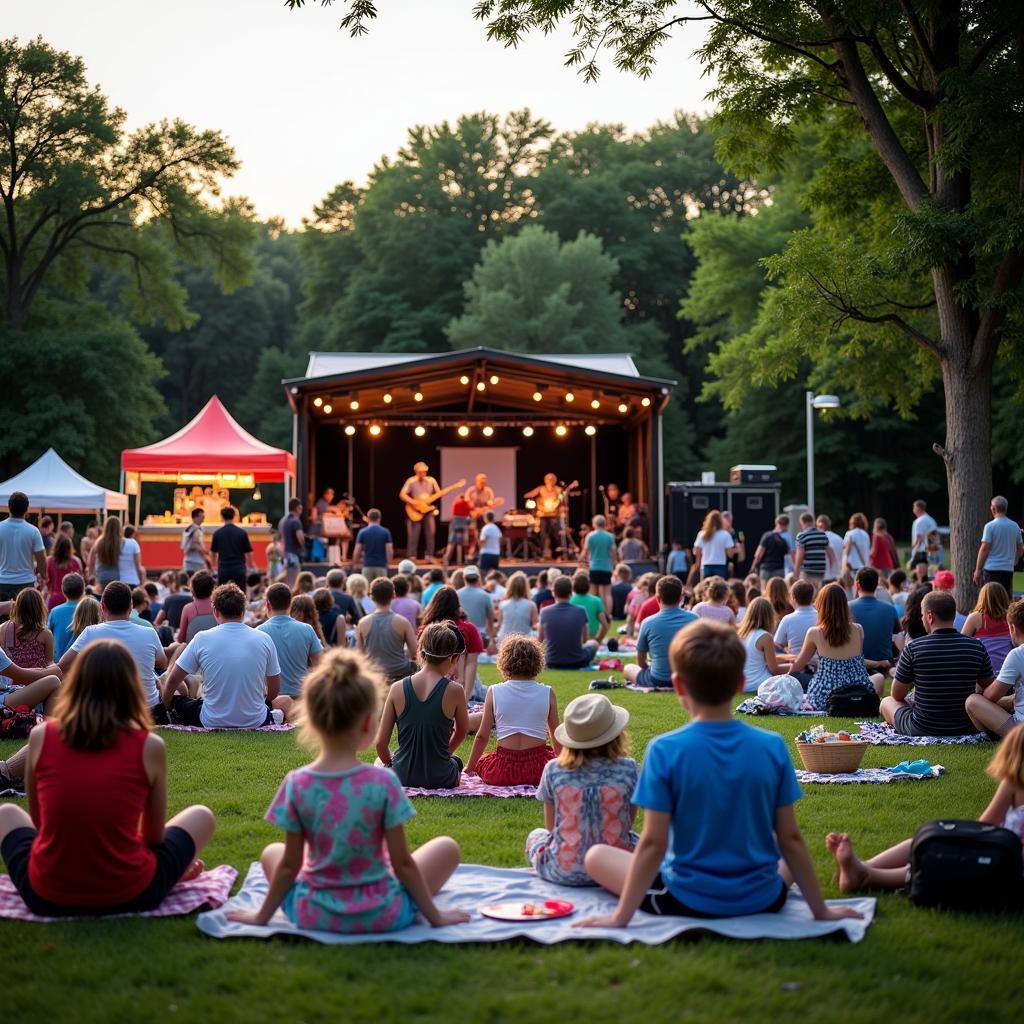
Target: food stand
{"x":208,"y":458}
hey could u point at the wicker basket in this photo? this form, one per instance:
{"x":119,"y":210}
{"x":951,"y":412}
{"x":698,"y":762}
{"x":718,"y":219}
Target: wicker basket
{"x":832,"y":758}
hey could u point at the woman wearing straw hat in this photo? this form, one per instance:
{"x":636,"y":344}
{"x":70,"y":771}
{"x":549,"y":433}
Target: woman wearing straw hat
{"x":586,"y":792}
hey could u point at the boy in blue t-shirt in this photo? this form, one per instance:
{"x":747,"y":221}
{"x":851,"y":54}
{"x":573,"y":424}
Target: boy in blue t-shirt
{"x":61,"y":615}
{"x":697,"y":857}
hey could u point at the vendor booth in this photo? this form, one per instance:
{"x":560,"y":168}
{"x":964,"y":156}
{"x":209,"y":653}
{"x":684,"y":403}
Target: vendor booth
{"x":53,"y":486}
{"x":208,"y":458}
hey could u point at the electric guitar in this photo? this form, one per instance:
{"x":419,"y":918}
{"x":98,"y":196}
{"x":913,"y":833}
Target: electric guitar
{"x":417,"y":509}
{"x":479,"y":513}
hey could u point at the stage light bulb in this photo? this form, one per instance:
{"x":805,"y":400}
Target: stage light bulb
{"x":374,"y":430}
{"x":328,"y":409}
{"x":488,"y":431}
{"x":494,"y":378}
{"x":537,"y":396}
{"x":590,"y":430}
{"x":318,"y":402}
{"x":481,"y":386}
{"x":417,"y":396}
{"x":420,"y":431}
{"x":463,"y":380}
{"x":645,"y":402}
{"x":354,"y":405}
{"x":387,"y":398}
{"x":561,"y":430}
{"x":463,"y":431}
{"x":623,"y":407}
{"x":350,"y":430}
{"x":570,"y":397}
{"x":527,"y":431}
{"x":595,"y":403}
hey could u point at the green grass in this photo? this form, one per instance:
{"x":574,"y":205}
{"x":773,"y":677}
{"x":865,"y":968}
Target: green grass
{"x":914,"y":965}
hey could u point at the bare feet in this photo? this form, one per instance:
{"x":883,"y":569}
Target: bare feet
{"x":853,"y":873}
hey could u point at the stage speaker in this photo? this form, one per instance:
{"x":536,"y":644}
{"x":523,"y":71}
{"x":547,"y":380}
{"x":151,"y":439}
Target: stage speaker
{"x":688,"y":504}
{"x":745,"y":474}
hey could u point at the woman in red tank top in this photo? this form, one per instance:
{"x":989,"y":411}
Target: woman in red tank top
{"x":96,"y":778}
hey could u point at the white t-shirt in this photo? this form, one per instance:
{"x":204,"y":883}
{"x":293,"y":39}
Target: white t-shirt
{"x":860,"y":548}
{"x":713,"y":551}
{"x":1012,"y":674}
{"x":835,"y":542}
{"x":141,"y":640}
{"x":923,"y":525}
{"x":490,"y":539}
{"x":235,"y":661}
{"x":126,"y":562}
{"x":18,"y":543}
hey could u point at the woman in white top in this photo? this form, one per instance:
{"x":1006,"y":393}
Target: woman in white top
{"x":523,"y":713}
{"x":756,"y":632}
{"x":712,"y":548}
{"x":129,"y":562}
{"x":856,"y":544}
{"x":517,"y":614}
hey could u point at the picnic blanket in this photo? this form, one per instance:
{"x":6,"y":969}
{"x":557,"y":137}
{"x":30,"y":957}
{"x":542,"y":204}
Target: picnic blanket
{"x":878,"y":776}
{"x":283,"y":727}
{"x":473,"y":885}
{"x":756,"y":706}
{"x":210,"y":889}
{"x":882,"y":734}
{"x":473,"y":785}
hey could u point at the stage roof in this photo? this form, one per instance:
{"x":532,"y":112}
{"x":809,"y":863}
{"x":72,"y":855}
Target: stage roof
{"x":52,"y":484}
{"x":211,"y":442}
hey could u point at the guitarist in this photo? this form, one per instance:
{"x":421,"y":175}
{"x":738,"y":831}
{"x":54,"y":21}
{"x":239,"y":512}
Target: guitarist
{"x":480,"y":498}
{"x":549,"y":511}
{"x":419,"y":488}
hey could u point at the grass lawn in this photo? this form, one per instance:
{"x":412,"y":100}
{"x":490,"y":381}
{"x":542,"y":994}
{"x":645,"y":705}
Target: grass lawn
{"x":913,"y":965}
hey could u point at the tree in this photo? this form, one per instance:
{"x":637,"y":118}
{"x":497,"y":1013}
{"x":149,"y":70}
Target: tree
{"x":532,"y":293}
{"x":76,"y":190}
{"x":933,"y":92}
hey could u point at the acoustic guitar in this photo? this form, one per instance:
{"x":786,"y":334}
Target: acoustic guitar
{"x":479,"y":513}
{"x":417,"y":509}
{"x":551,"y":506}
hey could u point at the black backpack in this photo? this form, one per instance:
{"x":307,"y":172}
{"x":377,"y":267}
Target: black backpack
{"x":852,"y":701}
{"x":966,"y":865}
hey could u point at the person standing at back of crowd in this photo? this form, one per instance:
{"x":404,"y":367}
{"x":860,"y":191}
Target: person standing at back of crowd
{"x":737,"y":542}
{"x":813,"y":554}
{"x":22,"y":553}
{"x":856,"y":544}
{"x":600,"y":554}
{"x":60,"y":564}
{"x":884,"y":556}
{"x":490,"y":543}
{"x":232,"y":551}
{"x":374,"y":548}
{"x":193,"y":545}
{"x":770,"y":557}
{"x":1000,"y":548}
{"x":923,"y":525}
{"x":835,"y":542}
{"x":712,"y":548}
{"x":293,"y":540}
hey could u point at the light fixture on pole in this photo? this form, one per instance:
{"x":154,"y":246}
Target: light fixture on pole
{"x":815,"y":402}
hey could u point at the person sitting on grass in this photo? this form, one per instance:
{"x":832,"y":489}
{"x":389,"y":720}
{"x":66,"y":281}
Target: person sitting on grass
{"x":792,"y":628}
{"x":622,"y":587}
{"x":332,"y":872}
{"x":141,"y":641}
{"x":988,"y":623}
{"x":890,"y":868}
{"x":328,"y":616}
{"x":297,"y":643}
{"x":587,"y":791}
{"x":563,"y":630}
{"x":385,"y":636}
{"x":597,"y":617}
{"x":755,"y":631}
{"x":241,"y":674}
{"x":1001,"y":707}
{"x":61,"y":615}
{"x":351,"y":611}
{"x":96,"y":842}
{"x":714,"y":604}
{"x":28,"y":686}
{"x":523,"y":714}
{"x":879,"y":621}
{"x":200,"y":607}
{"x":429,"y":708}
{"x":943,"y":668}
{"x":695,"y":858}
{"x":656,"y":635}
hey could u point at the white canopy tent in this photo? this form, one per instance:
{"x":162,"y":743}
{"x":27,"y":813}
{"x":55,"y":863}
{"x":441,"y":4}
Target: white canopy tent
{"x":53,"y":486}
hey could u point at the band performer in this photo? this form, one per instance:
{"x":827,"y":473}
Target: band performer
{"x":481,"y":499}
{"x":418,"y":487}
{"x":550,"y":514}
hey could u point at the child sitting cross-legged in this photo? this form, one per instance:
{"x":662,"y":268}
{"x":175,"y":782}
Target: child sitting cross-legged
{"x":587,"y":792}
{"x":332,"y":872}
{"x":429,"y":708}
{"x":698,"y":856}
{"x":523,"y":714}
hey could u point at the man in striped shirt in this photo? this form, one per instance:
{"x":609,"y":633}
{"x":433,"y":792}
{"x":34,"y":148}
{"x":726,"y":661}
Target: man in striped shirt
{"x":943,"y":669}
{"x":814,"y":555}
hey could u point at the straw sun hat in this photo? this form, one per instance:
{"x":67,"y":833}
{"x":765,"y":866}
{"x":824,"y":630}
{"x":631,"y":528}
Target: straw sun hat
{"x":591,"y":721}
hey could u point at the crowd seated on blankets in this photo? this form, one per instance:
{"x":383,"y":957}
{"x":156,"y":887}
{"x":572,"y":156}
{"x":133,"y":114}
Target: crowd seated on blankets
{"x":656,"y":634}
{"x":385,"y":636}
{"x":297,"y":644}
{"x":564,"y":630}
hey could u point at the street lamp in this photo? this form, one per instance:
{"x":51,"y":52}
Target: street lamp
{"x":815,"y":402}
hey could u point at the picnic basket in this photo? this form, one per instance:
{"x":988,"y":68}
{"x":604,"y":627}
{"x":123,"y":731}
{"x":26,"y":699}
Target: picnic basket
{"x":837,"y":758}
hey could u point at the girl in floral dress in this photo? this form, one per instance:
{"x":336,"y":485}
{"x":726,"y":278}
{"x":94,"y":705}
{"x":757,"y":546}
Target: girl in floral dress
{"x":332,"y":872}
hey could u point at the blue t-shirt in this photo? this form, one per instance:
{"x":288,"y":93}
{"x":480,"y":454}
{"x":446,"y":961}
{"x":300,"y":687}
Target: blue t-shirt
{"x":656,"y":635}
{"x":677,"y":562}
{"x":59,"y":624}
{"x":879,"y":622}
{"x":375,"y":539}
{"x":600,"y":543}
{"x":1004,"y":536}
{"x":722,"y":858}
{"x":429,"y":591}
{"x":294,"y":642}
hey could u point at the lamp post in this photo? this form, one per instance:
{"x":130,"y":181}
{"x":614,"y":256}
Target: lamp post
{"x":815,"y":402}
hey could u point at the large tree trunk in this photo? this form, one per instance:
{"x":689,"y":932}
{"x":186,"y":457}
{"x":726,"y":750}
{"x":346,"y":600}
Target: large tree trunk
{"x":968,"y":457}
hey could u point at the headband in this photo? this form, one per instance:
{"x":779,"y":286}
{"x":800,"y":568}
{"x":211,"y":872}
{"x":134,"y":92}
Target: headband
{"x":460,"y":643}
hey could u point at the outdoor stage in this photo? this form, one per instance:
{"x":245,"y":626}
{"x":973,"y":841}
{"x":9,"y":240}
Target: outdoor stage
{"x":361,"y":421}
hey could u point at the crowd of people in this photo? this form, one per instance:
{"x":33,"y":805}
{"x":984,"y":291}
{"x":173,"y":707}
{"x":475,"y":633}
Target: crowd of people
{"x":367,"y":659}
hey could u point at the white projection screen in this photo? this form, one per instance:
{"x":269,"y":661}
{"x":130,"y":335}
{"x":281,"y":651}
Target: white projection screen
{"x":498,"y":463}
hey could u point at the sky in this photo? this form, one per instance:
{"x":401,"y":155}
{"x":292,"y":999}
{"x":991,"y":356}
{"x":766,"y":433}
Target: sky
{"x":306,"y":106}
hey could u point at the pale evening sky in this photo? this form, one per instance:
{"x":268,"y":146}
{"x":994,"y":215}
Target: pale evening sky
{"x":305,"y":106}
